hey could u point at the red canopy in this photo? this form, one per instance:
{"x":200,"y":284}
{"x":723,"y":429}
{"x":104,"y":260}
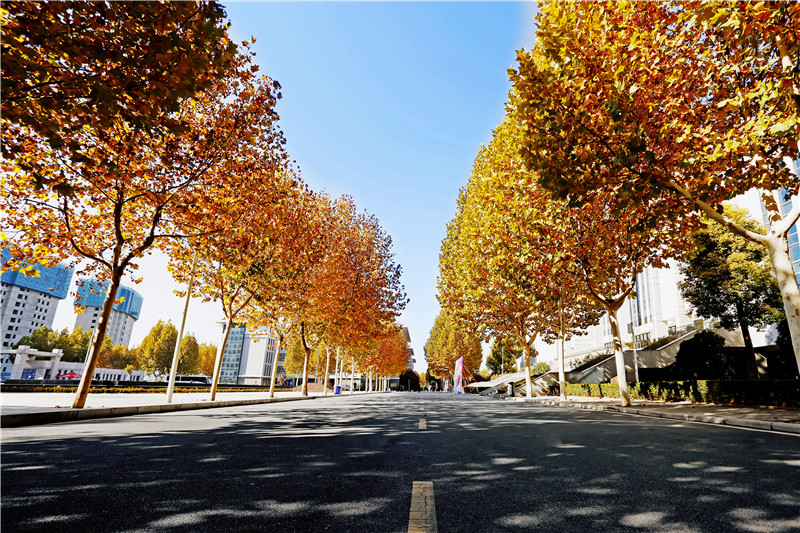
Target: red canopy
{"x":71,"y":374}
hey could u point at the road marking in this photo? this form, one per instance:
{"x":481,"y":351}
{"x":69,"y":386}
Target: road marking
{"x":423,"y":424}
{"x":422,"y":517}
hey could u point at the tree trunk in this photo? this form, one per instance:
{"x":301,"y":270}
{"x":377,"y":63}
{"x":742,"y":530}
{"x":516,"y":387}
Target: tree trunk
{"x":97,"y":342}
{"x":562,"y":375}
{"x":306,"y":359}
{"x":778,"y":250}
{"x":752,"y":371}
{"x":306,"y":362}
{"x":777,"y":246}
{"x":275,"y":366}
{"x":528,"y":382}
{"x":316,"y":367}
{"x":353,"y":375}
{"x":218,"y":360}
{"x":619,"y":356}
{"x":327,"y":362}
{"x":337,"y":376}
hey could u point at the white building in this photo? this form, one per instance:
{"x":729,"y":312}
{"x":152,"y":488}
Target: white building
{"x":27,"y":363}
{"x":124,"y":314}
{"x":258,"y":357}
{"x":249,"y":357}
{"x":658,"y":310}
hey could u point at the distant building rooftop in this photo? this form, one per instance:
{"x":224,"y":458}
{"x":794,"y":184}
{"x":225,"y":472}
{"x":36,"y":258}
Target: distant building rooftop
{"x":92,"y":293}
{"x":53,"y":281}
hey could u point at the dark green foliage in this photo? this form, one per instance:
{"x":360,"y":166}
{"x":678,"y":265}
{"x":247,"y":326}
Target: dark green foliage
{"x":782,"y":363}
{"x":730,"y":278}
{"x":704,"y":356}
{"x":763,"y":392}
{"x":409,"y":380}
{"x":74,"y":345}
{"x":505,"y":351}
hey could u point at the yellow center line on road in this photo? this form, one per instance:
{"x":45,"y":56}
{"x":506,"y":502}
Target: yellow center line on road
{"x":422,"y":517}
{"x":423,"y":424}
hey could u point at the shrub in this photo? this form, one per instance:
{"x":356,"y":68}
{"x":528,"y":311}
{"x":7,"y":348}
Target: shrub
{"x":763,"y":392}
{"x":541,"y":368}
{"x":704,"y":356}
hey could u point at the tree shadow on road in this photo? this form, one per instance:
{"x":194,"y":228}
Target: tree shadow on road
{"x":349,"y":464}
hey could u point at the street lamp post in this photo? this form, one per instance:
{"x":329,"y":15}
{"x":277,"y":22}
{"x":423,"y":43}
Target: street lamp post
{"x":177,"y":355}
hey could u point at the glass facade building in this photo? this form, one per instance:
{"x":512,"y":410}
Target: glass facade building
{"x":232,"y":356}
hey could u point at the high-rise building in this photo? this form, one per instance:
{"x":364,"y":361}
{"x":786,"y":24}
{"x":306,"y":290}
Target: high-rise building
{"x":29,"y":302}
{"x":92,"y":294}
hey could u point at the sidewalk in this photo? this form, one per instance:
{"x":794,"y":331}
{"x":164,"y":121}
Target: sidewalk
{"x":783,"y":419}
{"x":34,"y":408}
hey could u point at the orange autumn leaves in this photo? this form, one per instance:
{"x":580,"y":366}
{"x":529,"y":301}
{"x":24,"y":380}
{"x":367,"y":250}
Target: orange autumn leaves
{"x":185,"y":155}
{"x":623,"y":120}
{"x":679,"y":105}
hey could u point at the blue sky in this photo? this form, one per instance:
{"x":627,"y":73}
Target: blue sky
{"x":387,"y":102}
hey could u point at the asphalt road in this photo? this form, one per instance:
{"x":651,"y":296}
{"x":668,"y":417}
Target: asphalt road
{"x":347,"y":464}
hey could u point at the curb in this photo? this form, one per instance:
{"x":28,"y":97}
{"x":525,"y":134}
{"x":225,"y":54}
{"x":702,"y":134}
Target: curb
{"x":783,"y":427}
{"x":72,"y":415}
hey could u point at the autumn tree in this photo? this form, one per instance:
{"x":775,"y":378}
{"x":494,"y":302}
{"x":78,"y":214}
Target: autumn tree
{"x":730,"y":278}
{"x":690,"y":104}
{"x":386,"y":354}
{"x":501,"y":268}
{"x":154,"y":354}
{"x":69,"y":66}
{"x":129,"y":189}
{"x":608,"y":247}
{"x":295,"y":357}
{"x":393,"y":352}
{"x":446,"y":343}
{"x":205,"y":359}
{"x":73,"y":345}
{"x":119,"y":357}
{"x":278,"y":279}
{"x":355,"y":283}
{"x":227,"y":256}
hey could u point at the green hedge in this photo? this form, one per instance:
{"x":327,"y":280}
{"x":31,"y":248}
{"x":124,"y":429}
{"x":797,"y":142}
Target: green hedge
{"x":762,"y":392}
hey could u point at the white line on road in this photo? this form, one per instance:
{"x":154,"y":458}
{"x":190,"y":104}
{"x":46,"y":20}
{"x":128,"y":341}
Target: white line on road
{"x":422,"y":517}
{"x":423,"y":424}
